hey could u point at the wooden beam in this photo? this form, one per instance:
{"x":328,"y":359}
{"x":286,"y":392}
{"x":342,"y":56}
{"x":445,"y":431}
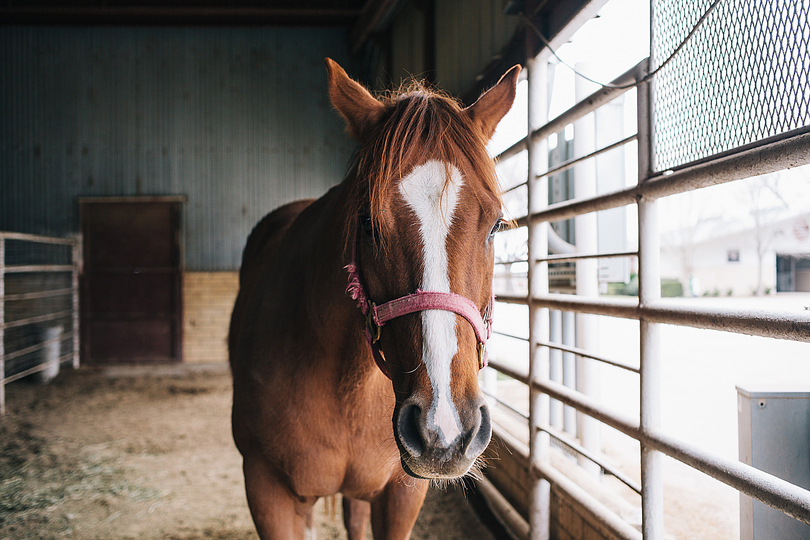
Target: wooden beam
{"x":176,"y":15}
{"x":372,"y":19}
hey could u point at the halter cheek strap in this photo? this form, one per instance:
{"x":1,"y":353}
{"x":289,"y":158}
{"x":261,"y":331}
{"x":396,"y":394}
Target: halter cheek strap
{"x":377,"y":316}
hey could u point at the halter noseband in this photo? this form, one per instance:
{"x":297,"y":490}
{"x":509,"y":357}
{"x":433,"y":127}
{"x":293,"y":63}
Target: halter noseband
{"x":377,"y":316}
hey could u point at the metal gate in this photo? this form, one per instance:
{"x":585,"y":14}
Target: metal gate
{"x":724,"y":97}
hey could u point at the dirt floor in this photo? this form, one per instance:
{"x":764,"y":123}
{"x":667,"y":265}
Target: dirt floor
{"x":117,"y":455}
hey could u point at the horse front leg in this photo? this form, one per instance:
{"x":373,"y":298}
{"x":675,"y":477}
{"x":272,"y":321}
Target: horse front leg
{"x":276,"y":512}
{"x":394,"y":512}
{"x":356,"y":514}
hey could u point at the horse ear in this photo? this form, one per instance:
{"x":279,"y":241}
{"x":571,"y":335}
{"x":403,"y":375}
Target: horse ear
{"x":495,"y":103}
{"x":361,"y":111}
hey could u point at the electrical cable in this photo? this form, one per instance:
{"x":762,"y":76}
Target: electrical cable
{"x":643,"y":79}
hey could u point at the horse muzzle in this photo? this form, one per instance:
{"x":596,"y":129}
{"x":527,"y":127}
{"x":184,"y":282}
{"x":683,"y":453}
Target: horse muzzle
{"x":425,"y":450}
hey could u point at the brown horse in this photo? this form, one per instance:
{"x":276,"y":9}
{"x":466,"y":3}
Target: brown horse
{"x":412,"y":222}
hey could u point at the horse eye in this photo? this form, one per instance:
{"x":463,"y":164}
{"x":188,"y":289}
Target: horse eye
{"x":367,"y":225}
{"x":499,"y":225}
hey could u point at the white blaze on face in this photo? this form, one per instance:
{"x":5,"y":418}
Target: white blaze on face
{"x":424,"y":192}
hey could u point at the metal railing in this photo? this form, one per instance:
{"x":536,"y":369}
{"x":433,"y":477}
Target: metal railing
{"x":39,"y":305}
{"x":786,"y":150}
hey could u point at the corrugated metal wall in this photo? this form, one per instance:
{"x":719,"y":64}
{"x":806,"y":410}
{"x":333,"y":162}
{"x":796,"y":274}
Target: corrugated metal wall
{"x":469,"y":35}
{"x":238,"y":120}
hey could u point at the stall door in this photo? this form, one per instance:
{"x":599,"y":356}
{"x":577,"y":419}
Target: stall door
{"x":131,"y":284}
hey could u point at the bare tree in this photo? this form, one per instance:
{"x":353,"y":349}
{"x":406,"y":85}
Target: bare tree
{"x":764,"y":213}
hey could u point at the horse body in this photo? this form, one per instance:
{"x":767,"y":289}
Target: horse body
{"x":312,"y":413}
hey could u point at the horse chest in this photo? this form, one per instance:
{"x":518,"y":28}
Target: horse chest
{"x":328,"y":443}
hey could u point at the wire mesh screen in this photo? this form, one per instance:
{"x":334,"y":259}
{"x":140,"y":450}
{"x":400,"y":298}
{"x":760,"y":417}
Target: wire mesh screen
{"x":741,"y":78}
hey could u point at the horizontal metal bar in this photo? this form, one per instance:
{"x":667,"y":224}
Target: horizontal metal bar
{"x":614,"y":523}
{"x":565,"y":165}
{"x":514,"y":522}
{"x":509,"y":372}
{"x":512,"y":262}
{"x":794,"y":326}
{"x":37,"y":319}
{"x":775,"y":492}
{"x":36,"y":295}
{"x":623,"y":307}
{"x":587,"y":105}
{"x":31,"y":371}
{"x":579,"y":256}
{"x":557,"y":436}
{"x":517,"y":448}
{"x":505,"y":404}
{"x":620,"y":476}
{"x":513,"y":188}
{"x":509,"y":299}
{"x":512,"y":336}
{"x":782,"y":153}
{"x":37,"y":238}
{"x":38,"y":268}
{"x":37,"y":347}
{"x":585,"y":354}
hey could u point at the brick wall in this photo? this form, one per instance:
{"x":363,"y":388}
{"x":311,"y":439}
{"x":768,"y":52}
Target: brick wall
{"x":208,"y":299}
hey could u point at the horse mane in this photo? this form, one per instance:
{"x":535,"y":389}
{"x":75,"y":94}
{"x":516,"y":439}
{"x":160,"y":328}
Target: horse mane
{"x":420,"y":124}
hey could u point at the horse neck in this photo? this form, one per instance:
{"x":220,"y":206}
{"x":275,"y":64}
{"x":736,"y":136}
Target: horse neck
{"x":334,"y":316}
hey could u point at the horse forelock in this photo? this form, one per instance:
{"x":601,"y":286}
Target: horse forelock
{"x":420,"y":125}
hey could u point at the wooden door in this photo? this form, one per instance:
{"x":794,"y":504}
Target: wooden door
{"x":131,"y":298}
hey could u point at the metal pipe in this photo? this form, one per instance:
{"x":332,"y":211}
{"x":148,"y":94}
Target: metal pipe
{"x":565,"y":165}
{"x":782,"y":152}
{"x":511,"y":336}
{"x":652,"y":474}
{"x":37,"y":319}
{"x":2,"y":324}
{"x":569,"y":369}
{"x":35,"y":369}
{"x":567,"y":488}
{"x":587,"y":454}
{"x":35,"y":238}
{"x":36,"y":347}
{"x":575,"y":257}
{"x":589,"y":104}
{"x":555,"y":365}
{"x":775,"y":492}
{"x":790,"y":325}
{"x":39,"y":268}
{"x":44,"y":294}
{"x":585,"y":354}
{"x":537,"y":188}
{"x":504,"y":511}
{"x":76,"y":254}
{"x":504,"y":404}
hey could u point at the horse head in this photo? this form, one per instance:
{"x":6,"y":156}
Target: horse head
{"x":423,"y":209}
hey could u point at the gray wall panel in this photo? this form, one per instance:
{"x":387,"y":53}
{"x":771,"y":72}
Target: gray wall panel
{"x":238,"y":120}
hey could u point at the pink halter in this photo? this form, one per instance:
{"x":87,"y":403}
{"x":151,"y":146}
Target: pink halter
{"x":377,"y":316}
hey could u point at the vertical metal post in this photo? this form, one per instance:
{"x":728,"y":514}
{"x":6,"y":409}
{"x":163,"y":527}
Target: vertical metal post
{"x":652,"y":487}
{"x":76,"y":253}
{"x":587,"y":272}
{"x":569,"y":369}
{"x":537,"y":68}
{"x":555,"y":366}
{"x":2,"y":325}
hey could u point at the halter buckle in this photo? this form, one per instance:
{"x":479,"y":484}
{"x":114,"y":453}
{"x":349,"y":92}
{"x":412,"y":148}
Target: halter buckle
{"x":482,"y":351}
{"x":374,"y":329}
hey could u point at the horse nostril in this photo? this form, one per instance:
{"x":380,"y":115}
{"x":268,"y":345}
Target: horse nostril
{"x":480,"y":437}
{"x":410,"y":435}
